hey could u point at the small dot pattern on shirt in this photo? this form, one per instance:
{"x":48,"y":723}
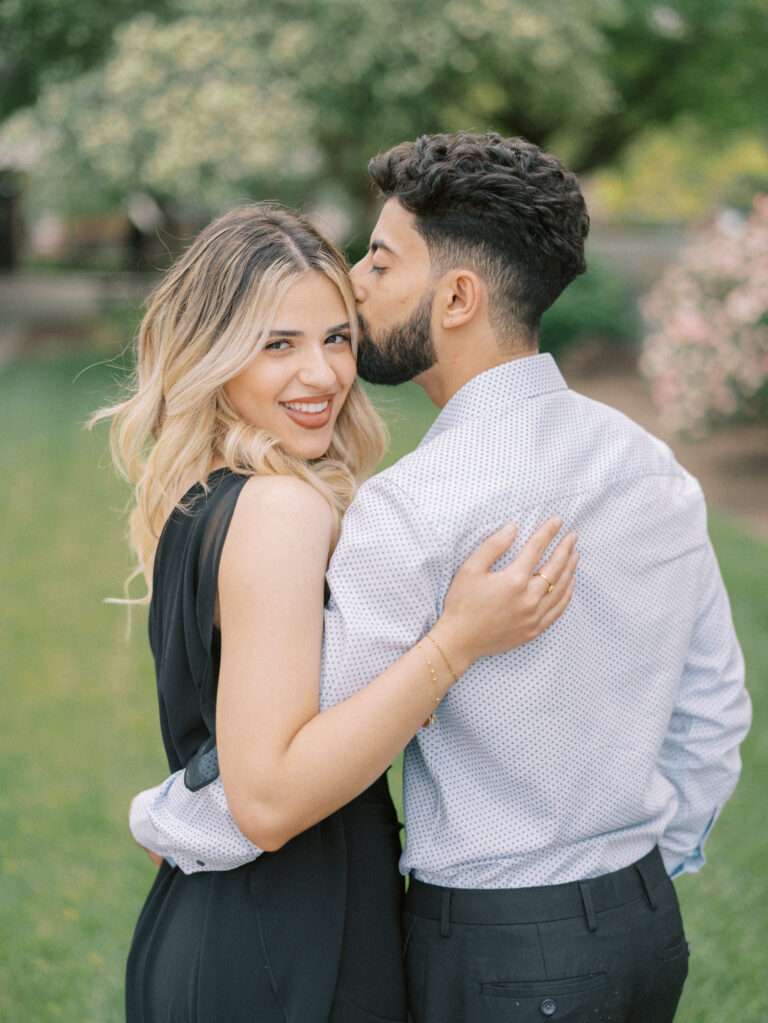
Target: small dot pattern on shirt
{"x":568,"y":757}
{"x":196,"y":833}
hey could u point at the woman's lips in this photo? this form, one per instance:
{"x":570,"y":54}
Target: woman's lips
{"x":310,"y":420}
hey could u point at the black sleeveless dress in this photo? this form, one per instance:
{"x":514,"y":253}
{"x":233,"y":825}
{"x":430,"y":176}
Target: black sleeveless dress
{"x":307,"y":934}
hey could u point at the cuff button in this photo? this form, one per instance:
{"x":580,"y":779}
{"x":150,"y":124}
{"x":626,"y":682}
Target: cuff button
{"x":548,"y":1007}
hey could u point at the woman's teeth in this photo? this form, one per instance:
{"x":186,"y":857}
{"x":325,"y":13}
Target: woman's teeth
{"x":306,"y":406}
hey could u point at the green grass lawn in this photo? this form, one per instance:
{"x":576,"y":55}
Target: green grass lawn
{"x":80,"y":733}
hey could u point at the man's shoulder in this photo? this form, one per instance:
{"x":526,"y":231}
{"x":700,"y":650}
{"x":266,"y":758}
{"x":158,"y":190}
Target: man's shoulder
{"x":527,"y":437}
{"x":650,"y":449}
{"x":602,"y":412}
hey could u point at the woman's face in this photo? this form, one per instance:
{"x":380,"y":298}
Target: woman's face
{"x":297,"y":384}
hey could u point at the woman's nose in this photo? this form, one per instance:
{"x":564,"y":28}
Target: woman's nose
{"x":316,"y":370}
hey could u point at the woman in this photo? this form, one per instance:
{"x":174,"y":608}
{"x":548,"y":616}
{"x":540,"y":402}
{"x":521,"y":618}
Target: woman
{"x":246,"y":437}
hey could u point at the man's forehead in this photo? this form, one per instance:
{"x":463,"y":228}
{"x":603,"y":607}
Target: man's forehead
{"x":395,"y":229}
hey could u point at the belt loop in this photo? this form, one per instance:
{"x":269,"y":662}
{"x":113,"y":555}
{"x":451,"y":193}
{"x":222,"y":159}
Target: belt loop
{"x":646,"y":886}
{"x":445,"y":915}
{"x":589,"y":909}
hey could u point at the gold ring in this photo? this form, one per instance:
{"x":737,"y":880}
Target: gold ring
{"x":550,"y":585}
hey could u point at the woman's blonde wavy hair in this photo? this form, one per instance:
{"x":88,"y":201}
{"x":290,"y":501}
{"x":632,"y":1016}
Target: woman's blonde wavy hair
{"x":205,"y":321}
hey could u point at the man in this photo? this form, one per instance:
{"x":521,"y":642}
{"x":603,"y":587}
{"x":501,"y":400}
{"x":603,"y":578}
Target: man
{"x":566,"y":781}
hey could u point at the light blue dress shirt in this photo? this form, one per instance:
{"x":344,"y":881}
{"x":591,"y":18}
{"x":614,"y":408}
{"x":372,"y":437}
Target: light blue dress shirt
{"x":616,"y":730}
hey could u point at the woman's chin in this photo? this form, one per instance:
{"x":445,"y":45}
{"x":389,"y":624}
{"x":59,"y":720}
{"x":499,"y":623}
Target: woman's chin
{"x":308,"y":448}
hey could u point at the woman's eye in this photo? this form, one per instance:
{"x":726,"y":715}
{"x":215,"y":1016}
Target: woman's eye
{"x":273,"y":346}
{"x":339,"y":339}
{"x":378,"y":269}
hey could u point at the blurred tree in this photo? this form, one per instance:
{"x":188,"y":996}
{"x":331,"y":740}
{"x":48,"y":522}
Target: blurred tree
{"x":52,"y":40}
{"x":44,"y":42}
{"x":10,"y":220}
{"x":599,"y":306}
{"x":682,"y":174}
{"x":706,"y":347}
{"x":290,"y":98}
{"x":705,"y":58}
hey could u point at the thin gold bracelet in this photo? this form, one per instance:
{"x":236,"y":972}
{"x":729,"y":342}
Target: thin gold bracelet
{"x":440,"y":650}
{"x":432,"y":719}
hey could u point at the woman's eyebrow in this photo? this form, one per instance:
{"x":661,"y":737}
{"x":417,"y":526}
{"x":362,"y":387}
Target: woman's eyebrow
{"x":300,"y":333}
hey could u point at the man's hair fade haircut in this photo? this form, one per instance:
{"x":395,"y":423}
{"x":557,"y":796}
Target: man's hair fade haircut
{"x":500,"y":206}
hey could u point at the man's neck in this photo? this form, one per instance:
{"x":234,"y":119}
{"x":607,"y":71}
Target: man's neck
{"x":443,"y":380}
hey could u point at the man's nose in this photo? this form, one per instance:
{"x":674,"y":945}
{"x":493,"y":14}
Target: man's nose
{"x":356,"y":277}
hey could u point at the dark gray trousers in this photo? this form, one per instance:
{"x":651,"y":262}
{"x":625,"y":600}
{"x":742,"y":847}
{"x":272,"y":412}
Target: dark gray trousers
{"x":607,"y":950}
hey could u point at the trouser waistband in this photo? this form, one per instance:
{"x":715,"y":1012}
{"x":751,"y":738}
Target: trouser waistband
{"x":538,"y":905}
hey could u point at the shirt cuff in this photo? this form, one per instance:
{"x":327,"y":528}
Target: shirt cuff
{"x":689,"y":863}
{"x":197,"y":826}
{"x":142,"y":827}
{"x":140,"y":823}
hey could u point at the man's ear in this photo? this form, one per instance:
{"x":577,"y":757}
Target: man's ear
{"x":461,"y":298}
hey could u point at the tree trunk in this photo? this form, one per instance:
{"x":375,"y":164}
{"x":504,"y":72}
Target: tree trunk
{"x":10,"y":221}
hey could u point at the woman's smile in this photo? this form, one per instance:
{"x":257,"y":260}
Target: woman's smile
{"x":310,"y":413}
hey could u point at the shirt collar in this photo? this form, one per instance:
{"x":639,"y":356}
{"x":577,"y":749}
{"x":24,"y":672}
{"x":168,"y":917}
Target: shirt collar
{"x":527,"y":377}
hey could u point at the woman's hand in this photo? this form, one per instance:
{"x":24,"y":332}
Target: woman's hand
{"x":487,"y":612}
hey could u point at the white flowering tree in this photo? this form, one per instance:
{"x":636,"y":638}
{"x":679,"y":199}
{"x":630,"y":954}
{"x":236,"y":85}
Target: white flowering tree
{"x":228,"y":95}
{"x":228,"y":98}
{"x":706,"y":352}
{"x":44,"y":41}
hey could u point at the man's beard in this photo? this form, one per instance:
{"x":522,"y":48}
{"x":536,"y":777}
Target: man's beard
{"x":402,"y":352}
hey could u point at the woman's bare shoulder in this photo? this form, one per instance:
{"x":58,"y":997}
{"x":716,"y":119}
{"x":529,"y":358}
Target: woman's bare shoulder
{"x":286,"y":510}
{"x":263,"y":495}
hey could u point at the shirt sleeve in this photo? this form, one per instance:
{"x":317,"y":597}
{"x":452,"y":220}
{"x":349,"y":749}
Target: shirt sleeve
{"x":385,"y":582}
{"x":700,"y":754}
{"x":192,"y":830}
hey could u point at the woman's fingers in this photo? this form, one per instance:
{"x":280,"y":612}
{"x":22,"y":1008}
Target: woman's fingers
{"x":548,"y":575}
{"x":551,"y":605}
{"x":533,"y":550}
{"x":553,"y":600}
{"x":490,"y":550}
{"x":564,"y":580}
{"x":553,"y":613}
{"x":498,"y":611}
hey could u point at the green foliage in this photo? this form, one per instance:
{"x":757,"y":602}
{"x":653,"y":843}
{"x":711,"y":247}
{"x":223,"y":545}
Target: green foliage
{"x":230,"y":99}
{"x":598,"y":305}
{"x":47,"y":41}
{"x":682,"y":174}
{"x":699,"y":57}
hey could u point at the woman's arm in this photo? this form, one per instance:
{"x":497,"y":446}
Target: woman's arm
{"x":284,"y":765}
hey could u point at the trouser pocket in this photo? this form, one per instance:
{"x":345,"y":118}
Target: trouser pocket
{"x":563,"y":999}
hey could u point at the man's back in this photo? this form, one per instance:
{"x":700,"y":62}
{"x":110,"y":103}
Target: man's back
{"x":560,"y":760}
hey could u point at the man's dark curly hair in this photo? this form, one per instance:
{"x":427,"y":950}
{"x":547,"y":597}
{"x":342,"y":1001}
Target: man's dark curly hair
{"x":501,"y":206}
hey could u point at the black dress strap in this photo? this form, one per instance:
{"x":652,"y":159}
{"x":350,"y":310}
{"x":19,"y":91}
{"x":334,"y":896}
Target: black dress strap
{"x":185,"y":642}
{"x":205,"y":559}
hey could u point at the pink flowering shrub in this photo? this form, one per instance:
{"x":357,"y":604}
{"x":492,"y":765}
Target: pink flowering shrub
{"x":706,"y":348}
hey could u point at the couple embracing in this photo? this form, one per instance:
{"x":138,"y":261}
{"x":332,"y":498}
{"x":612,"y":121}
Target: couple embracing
{"x":570,"y":734}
